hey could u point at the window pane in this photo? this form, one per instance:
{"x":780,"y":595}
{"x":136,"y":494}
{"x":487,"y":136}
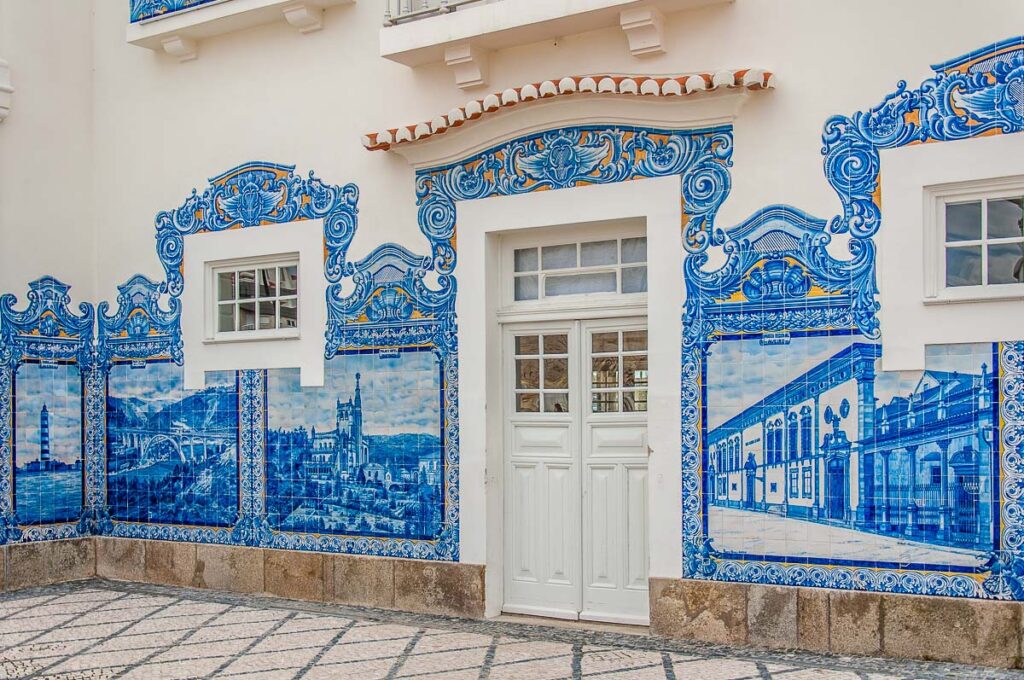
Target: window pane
{"x":556,"y":344}
{"x":268,"y":282}
{"x":598,"y":253}
{"x":634,"y":401}
{"x":225,"y":318}
{"x":963,"y":266}
{"x":604,"y":342}
{"x":289,"y":283}
{"x":526,"y":260}
{"x":1004,"y":217}
{"x":527,"y":344}
{"x":963,"y":221}
{"x":226,"y":286}
{"x":634,"y":280}
{"x":289,"y":314}
{"x":526,"y":288}
{"x":268,"y":315}
{"x":576,"y":284}
{"x":558,"y":257}
{"x":247,"y":316}
{"x":556,"y":373}
{"x":246,"y":285}
{"x":527,"y":374}
{"x":634,"y":250}
{"x":604,"y":372}
{"x":604,"y":402}
{"x":556,"y":403}
{"x":528,"y":403}
{"x":634,"y":371}
{"x":634,"y":341}
{"x":1005,"y":263}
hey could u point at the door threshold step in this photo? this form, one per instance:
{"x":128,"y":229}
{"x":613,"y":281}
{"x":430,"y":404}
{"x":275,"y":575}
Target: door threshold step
{"x":620,"y":628}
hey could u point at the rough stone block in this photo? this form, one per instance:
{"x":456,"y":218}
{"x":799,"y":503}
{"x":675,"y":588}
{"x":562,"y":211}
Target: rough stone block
{"x":772,"y":616}
{"x":949,"y":629}
{"x":812,"y":619}
{"x":121,"y":559}
{"x":44,"y":562}
{"x":294,"y":574}
{"x":855,"y":620}
{"x":222,"y":567}
{"x":699,"y":610}
{"x":171,"y":563}
{"x":362,"y":581}
{"x":439,"y":587}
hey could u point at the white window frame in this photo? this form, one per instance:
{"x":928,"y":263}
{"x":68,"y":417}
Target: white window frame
{"x":937,"y":197}
{"x":610,"y":301}
{"x":212,"y":303}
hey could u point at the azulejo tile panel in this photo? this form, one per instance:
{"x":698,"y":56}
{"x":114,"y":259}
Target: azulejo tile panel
{"x":46,"y":384}
{"x":805,"y":464}
{"x":802,"y":463}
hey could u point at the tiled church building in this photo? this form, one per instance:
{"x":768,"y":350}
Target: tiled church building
{"x":703,"y":315}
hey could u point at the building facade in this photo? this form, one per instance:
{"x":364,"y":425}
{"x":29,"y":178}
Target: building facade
{"x":592,"y":309}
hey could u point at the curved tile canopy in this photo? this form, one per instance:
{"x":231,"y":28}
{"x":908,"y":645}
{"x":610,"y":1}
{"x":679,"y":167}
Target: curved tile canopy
{"x":653,"y":86}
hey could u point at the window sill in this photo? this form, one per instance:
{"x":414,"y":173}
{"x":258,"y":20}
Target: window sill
{"x":252,"y":337}
{"x":1016,"y":293}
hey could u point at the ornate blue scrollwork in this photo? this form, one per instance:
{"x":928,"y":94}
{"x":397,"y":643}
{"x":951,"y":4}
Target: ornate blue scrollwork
{"x":582,"y":156}
{"x":391,"y":305}
{"x":141,"y":328}
{"x":255,"y":194}
{"x":980,"y":93}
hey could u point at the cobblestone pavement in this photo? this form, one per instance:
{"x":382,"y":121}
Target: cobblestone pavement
{"x":98,"y":629}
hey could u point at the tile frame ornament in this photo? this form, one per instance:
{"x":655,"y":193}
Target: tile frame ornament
{"x":967,"y":97}
{"x":47,"y":331}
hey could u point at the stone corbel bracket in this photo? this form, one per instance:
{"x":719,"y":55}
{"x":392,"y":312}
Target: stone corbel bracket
{"x":179,"y":33}
{"x":6,"y":90}
{"x":645,"y":29}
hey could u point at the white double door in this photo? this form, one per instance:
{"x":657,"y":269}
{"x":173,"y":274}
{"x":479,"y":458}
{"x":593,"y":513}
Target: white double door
{"x":575,"y":440}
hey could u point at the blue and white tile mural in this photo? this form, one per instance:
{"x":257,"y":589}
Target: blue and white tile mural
{"x":802,"y":462}
{"x":172,"y":453}
{"x":48,"y":443}
{"x":363,"y":454}
{"x":815,"y":454}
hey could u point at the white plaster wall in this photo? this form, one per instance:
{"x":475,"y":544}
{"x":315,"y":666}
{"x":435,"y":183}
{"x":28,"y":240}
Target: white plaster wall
{"x":46,"y":160}
{"x":106,"y":134}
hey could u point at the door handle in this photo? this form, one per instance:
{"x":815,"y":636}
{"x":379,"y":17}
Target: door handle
{"x":649,"y":450}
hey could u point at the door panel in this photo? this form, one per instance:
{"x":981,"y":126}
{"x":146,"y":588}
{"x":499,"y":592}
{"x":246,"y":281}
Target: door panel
{"x":576,"y":470}
{"x":614,"y":461}
{"x":542,"y":542}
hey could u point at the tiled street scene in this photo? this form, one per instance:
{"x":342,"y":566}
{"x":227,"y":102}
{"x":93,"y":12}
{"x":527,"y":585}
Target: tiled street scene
{"x":98,"y":629}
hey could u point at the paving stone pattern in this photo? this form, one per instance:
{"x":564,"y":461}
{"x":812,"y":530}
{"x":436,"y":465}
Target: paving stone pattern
{"x":99,"y":629}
